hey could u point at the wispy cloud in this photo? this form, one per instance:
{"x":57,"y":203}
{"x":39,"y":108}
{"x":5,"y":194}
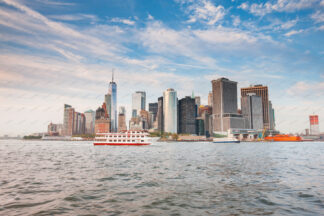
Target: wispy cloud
{"x":279,"y":6}
{"x":293,"y":32}
{"x":204,"y":11}
{"x":124,"y":21}
{"x":318,"y":16}
{"x":75,"y":17}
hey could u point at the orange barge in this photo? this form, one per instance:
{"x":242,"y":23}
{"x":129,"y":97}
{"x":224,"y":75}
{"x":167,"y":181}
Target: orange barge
{"x":283,"y":138}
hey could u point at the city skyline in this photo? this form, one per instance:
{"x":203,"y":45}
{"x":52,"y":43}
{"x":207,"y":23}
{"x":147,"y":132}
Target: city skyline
{"x":56,"y":52}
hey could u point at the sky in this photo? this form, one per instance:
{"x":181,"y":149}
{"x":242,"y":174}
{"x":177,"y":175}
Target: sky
{"x":63,"y":52}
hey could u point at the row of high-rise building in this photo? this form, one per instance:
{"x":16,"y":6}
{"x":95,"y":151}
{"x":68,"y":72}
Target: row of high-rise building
{"x":173,"y":115}
{"x":77,"y":123}
{"x":187,"y":116}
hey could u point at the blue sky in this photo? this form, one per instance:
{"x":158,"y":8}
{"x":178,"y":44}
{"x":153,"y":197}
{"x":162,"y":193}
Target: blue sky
{"x":56,"y":52}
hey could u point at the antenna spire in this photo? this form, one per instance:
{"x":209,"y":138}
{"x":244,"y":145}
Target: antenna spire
{"x":112,"y":75}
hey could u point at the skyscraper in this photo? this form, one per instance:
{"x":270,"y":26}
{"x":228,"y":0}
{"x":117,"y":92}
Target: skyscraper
{"x":122,"y":119}
{"x":197,"y":101}
{"x":210,"y":99}
{"x":170,"y":111}
{"x":90,"y":117}
{"x":160,"y":117}
{"x":153,"y":108}
{"x":102,"y":122}
{"x":187,"y":116}
{"x":272,"y":120}
{"x":138,"y":102}
{"x":108,"y":104}
{"x":112,"y":90}
{"x":225,"y":114}
{"x":261,"y":91}
{"x":314,"y":126}
{"x":252,"y":111}
{"x":68,"y":120}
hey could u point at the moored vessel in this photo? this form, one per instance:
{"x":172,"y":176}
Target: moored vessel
{"x":131,"y":138}
{"x":283,"y":138}
{"x":226,"y":140}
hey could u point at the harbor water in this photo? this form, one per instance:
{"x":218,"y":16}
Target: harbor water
{"x":77,"y":178}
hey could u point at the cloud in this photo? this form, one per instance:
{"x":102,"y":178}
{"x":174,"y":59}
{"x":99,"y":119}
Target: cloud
{"x":293,"y":32}
{"x":318,"y":17}
{"x":204,"y":11}
{"x":124,"y":21}
{"x":56,"y":3}
{"x":222,"y":35}
{"x":279,"y":6}
{"x":75,"y":17}
{"x":307,"y":90}
{"x":236,"y":20}
{"x":289,"y":24}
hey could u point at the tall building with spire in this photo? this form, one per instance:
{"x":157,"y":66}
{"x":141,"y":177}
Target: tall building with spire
{"x":112,"y":91}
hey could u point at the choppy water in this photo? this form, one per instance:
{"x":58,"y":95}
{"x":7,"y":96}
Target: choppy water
{"x":76,"y":178}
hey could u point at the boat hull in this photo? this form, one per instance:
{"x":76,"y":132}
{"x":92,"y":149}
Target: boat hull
{"x":226,"y":141}
{"x":121,"y":144}
{"x":283,"y":139}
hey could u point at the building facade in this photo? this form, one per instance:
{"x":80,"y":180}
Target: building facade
{"x":122,"y":122}
{"x":224,"y":107}
{"x":261,"y":91}
{"x":138,"y":102}
{"x":153,"y":110}
{"x":102,"y":122}
{"x":187,"y":116}
{"x":272,"y":120}
{"x":170,"y":111}
{"x":314,"y":125}
{"x":210,"y":99}
{"x":112,"y":91}
{"x":90,"y":117}
{"x":68,"y":120}
{"x":160,"y":116}
{"x":55,"y":129}
{"x":252,"y":111}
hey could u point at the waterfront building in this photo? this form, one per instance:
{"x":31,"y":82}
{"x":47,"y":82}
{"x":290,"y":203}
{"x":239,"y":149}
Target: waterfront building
{"x":261,"y":91}
{"x":170,"y":111}
{"x":314,"y":125}
{"x":200,"y":126}
{"x":145,"y":118}
{"x":68,"y":120}
{"x":252,"y":111}
{"x":272,"y":122}
{"x":210,"y":99}
{"x":225,"y":114}
{"x":55,"y":129}
{"x":112,"y":91}
{"x":160,"y":116}
{"x":187,"y":115}
{"x":122,"y":110}
{"x":102,"y":122}
{"x":122,"y":119}
{"x":153,"y":110}
{"x":135,"y":123}
{"x":82,"y":123}
{"x":197,"y":101}
{"x":108,"y":104}
{"x":90,"y":117}
{"x":205,"y":108}
{"x":138,"y":102}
